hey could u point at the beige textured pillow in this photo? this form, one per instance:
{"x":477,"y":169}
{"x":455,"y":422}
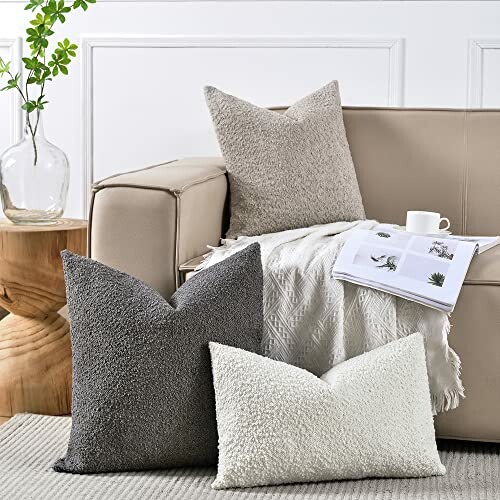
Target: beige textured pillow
{"x":286,"y":170}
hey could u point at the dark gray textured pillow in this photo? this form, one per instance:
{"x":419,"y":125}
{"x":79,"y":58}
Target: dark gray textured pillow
{"x":142,"y":385}
{"x":286,"y":170}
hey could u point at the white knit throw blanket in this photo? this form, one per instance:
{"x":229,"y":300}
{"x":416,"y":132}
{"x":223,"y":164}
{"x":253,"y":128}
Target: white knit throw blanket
{"x":314,"y":322}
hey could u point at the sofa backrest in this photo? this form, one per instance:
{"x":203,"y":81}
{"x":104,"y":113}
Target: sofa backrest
{"x":444,"y":160}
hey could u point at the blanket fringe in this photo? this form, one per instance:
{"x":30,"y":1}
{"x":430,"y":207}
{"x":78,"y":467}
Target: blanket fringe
{"x":449,"y":399}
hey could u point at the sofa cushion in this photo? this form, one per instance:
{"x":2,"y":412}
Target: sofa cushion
{"x":286,"y":170}
{"x":142,"y":386}
{"x":370,"y":417}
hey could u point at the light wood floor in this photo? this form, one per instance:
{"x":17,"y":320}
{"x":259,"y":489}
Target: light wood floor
{"x":3,"y":420}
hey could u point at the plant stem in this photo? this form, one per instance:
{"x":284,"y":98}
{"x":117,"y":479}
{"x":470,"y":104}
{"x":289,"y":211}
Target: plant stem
{"x":28,"y":121}
{"x":35,"y":150}
{"x":32,"y":133}
{"x":30,"y":74}
{"x":18,"y":88}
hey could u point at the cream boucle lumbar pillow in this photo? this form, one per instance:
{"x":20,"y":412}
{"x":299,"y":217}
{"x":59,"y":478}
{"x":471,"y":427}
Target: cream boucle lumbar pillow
{"x":286,"y":170}
{"x":369,"y":417}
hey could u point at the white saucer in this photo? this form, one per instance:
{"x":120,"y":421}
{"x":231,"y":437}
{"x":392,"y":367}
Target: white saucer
{"x":441,"y":234}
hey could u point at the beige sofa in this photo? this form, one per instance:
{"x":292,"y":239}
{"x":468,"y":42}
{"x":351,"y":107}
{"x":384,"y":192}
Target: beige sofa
{"x":152,"y":221}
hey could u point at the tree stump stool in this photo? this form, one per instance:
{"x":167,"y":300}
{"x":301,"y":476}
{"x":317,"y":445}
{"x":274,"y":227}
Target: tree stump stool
{"x":35,"y":348}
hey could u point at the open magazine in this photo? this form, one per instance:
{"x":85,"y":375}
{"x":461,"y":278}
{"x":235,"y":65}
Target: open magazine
{"x":426,"y":269}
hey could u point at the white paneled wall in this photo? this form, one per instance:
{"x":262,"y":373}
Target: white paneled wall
{"x":135,"y":95}
{"x":484,"y":72}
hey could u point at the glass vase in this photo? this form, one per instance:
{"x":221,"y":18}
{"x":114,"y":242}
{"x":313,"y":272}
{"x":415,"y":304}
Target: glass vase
{"x":34,"y":178}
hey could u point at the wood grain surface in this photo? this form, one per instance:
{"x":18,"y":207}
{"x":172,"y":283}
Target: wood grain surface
{"x":35,"y":349}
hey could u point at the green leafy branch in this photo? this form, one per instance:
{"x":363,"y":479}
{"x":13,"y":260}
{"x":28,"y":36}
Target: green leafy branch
{"x":41,"y":67}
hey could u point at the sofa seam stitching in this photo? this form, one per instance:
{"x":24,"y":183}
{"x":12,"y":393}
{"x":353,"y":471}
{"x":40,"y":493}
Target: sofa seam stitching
{"x":174,"y":191}
{"x":136,"y":170}
{"x":89,"y":228}
{"x":465,"y":176}
{"x":201,"y":181}
{"x":177,"y":239}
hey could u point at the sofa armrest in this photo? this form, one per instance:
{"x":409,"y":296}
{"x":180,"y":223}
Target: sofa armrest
{"x":148,"y":221}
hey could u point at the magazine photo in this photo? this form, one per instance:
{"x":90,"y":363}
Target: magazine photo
{"x":426,"y":269}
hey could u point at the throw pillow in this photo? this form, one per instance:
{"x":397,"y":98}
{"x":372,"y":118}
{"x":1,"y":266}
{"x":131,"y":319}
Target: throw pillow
{"x":370,"y":417}
{"x":288,"y":170}
{"x":143,"y":396}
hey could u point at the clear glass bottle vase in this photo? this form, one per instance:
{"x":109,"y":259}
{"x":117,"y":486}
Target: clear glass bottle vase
{"x":34,"y":178}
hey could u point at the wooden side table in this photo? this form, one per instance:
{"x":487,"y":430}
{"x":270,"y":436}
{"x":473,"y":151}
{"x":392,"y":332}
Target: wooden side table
{"x":35,"y":348}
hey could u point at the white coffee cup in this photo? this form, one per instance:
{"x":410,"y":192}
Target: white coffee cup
{"x":425,"y":222}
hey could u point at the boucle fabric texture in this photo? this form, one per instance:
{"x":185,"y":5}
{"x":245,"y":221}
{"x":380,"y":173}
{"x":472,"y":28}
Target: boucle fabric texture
{"x":30,"y":443}
{"x":315,"y":322}
{"x":142,"y":386}
{"x":370,"y":417}
{"x":286,"y":170}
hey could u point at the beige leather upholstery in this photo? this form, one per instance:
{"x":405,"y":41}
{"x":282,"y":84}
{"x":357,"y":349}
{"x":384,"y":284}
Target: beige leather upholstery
{"x":475,"y":335}
{"x":482,"y":172}
{"x":408,"y":160}
{"x":149,"y":222}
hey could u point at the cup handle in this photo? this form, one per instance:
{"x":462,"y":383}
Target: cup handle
{"x":447,"y":226}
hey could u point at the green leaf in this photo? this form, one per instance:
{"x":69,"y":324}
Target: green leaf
{"x":39,"y":19}
{"x":33,"y":5}
{"x":40,"y":103}
{"x":55,"y":71}
{"x":31,"y":63}
{"x":64,"y":70}
{"x":29,"y":106}
{"x":4,"y":67}
{"x":12,"y":83}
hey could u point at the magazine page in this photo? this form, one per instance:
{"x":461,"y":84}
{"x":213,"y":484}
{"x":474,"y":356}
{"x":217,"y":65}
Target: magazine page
{"x":426,"y":269}
{"x":483,"y":242}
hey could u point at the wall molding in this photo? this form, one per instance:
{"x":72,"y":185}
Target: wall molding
{"x":394,"y":46}
{"x":14,"y":46}
{"x":475,"y":65}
